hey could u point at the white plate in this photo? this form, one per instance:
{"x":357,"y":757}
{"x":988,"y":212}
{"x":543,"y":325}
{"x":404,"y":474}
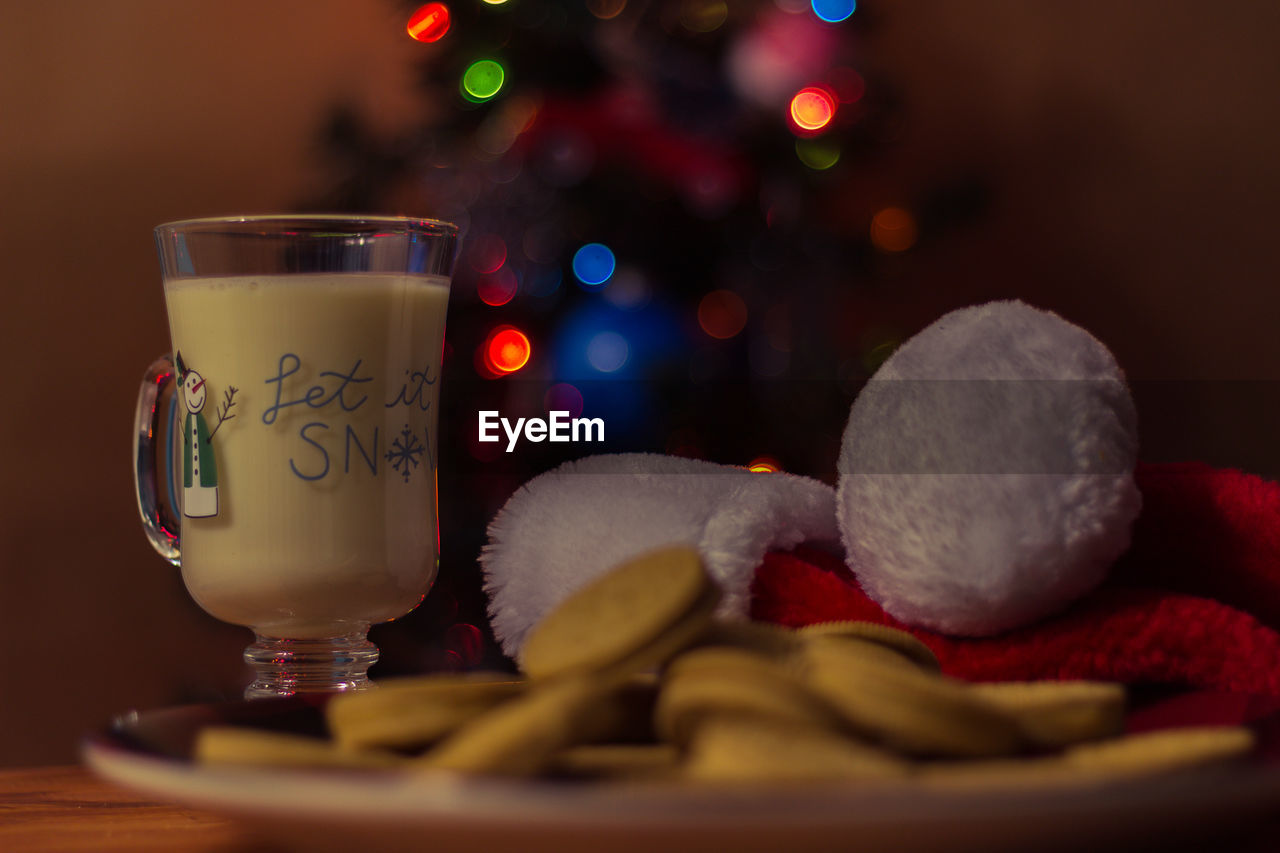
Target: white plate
{"x":365,"y":811}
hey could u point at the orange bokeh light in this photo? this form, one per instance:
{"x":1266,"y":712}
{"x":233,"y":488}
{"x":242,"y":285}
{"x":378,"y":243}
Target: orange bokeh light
{"x":429,"y":23}
{"x":893,"y":230}
{"x":764,"y":465}
{"x":812,"y":109}
{"x":507,"y":349}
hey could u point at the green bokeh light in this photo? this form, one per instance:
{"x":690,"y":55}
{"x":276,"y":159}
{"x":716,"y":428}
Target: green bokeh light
{"x":482,"y":80}
{"x":816,"y":154}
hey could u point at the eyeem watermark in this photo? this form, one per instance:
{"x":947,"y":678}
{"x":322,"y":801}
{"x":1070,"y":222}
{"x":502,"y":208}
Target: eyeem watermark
{"x":558,"y":427}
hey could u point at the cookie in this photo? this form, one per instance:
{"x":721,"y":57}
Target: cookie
{"x":716,"y":682}
{"x":1162,"y":751}
{"x":900,"y":641}
{"x":413,"y":712}
{"x":904,"y":707}
{"x":736,"y":749}
{"x":1000,"y":774}
{"x":1090,"y":764}
{"x":1055,"y":714}
{"x":618,"y":762}
{"x":775,"y":641}
{"x":631,"y":618}
{"x":256,"y":747}
{"x":520,"y":737}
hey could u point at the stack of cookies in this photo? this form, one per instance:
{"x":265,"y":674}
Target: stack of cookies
{"x":632,"y":678}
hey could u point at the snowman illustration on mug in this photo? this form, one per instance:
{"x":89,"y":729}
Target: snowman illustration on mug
{"x":199,"y":461}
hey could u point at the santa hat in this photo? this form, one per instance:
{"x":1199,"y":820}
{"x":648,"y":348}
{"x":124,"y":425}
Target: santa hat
{"x":988,"y":489}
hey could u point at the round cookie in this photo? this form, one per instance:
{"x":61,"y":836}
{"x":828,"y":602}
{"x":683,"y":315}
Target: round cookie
{"x":633,"y":617}
{"x":893,"y":638}
{"x":259,"y":748}
{"x":615,"y":762}
{"x":715,"y":682}
{"x":765,"y":638}
{"x":521,"y":737}
{"x":906,"y":708}
{"x":1162,"y":751}
{"x":733,"y":749}
{"x":1058,"y":713}
{"x":413,"y":712}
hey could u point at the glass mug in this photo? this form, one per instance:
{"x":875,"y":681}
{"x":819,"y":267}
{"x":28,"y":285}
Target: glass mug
{"x":285,"y":451}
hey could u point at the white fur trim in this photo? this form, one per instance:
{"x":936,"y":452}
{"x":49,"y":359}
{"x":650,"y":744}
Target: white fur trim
{"x":568,"y":525}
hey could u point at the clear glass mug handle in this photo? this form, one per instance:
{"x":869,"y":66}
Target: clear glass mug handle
{"x":153,"y":454}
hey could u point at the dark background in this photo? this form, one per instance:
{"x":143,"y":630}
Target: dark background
{"x":1112,"y":162}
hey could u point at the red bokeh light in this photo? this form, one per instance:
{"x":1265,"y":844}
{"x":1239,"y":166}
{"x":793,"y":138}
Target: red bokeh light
{"x":497,"y":288}
{"x":506,"y":350}
{"x":429,"y":23}
{"x":893,"y":230}
{"x":563,"y":397}
{"x":487,"y":253}
{"x":722,"y":314}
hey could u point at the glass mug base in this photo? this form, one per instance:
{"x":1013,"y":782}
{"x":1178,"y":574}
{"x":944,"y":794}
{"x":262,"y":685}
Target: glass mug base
{"x":285,"y":667}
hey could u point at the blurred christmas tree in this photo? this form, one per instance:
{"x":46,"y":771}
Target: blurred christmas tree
{"x":671,"y":221}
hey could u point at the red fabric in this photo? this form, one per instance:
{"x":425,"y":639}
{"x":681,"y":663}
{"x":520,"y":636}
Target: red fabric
{"x":1209,"y":532}
{"x":1206,"y":540}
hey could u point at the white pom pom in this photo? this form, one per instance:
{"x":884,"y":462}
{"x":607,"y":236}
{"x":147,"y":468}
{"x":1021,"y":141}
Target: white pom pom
{"x":565,"y":527}
{"x":986,"y":474}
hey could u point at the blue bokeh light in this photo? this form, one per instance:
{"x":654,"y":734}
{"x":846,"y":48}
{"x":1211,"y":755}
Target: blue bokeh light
{"x":608,"y":351}
{"x":833,"y":11}
{"x":653,"y":336}
{"x":654,"y":339}
{"x":593,"y":264}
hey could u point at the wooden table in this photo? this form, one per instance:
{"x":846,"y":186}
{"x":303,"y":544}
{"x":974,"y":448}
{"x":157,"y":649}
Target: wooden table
{"x":71,"y":809}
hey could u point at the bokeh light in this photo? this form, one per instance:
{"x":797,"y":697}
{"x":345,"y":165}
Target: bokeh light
{"x":817,"y":154}
{"x":563,"y":397}
{"x":465,"y":640}
{"x":893,"y":230}
{"x":486,"y":253}
{"x":629,"y":289}
{"x":607,"y":352}
{"x":878,"y":354}
{"x":722,"y":314}
{"x":812,"y":108}
{"x":606,"y":9}
{"x":593,"y":264}
{"x":833,"y":11}
{"x":429,"y":23}
{"x":483,"y":79}
{"x":500,"y":129}
{"x":507,"y":349}
{"x":764,"y":465}
{"x":498,"y":287}
{"x":703,"y":16}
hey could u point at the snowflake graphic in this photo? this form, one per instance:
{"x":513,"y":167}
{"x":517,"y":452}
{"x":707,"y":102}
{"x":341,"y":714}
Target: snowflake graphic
{"x":404,"y":453}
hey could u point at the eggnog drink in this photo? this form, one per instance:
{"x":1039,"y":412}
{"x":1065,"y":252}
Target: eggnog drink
{"x":307,"y":432}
